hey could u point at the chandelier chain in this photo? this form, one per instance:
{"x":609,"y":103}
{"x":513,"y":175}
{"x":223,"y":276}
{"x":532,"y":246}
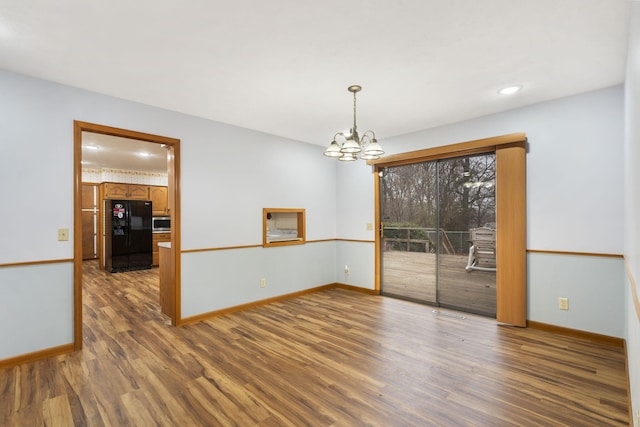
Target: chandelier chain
{"x":354,"y":111}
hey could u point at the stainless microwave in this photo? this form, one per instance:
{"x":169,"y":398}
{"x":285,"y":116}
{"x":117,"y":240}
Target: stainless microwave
{"x":161,"y":224}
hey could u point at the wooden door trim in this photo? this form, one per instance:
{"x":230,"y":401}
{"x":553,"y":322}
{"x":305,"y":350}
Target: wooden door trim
{"x":378,"y":224}
{"x":95,"y":211}
{"x":510,"y":213}
{"x":511,"y":244}
{"x":467,"y":148}
{"x":173,"y":166}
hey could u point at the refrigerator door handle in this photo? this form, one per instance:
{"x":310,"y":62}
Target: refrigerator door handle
{"x":127,"y":218}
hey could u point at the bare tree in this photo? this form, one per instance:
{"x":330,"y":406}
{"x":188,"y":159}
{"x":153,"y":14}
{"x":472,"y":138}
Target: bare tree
{"x":459,"y":192}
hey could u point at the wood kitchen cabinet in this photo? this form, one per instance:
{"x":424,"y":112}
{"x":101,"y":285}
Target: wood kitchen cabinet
{"x":157,"y":238}
{"x":114,"y":190}
{"x":159,"y":198}
{"x":138,"y":192}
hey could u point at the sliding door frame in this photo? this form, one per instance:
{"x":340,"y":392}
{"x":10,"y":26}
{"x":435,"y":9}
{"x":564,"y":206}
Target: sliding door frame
{"x":511,"y":246}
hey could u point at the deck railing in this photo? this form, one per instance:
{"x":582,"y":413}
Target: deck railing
{"x":420,"y":239}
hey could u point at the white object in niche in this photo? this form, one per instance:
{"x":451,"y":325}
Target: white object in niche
{"x":282,"y":226}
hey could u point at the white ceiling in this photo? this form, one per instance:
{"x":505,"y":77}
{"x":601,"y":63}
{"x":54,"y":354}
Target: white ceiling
{"x":105,"y":151}
{"x":283,"y":66}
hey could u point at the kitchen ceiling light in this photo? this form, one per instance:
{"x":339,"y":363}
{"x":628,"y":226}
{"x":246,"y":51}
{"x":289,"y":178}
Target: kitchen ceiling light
{"x":509,"y":90}
{"x":347,"y":151}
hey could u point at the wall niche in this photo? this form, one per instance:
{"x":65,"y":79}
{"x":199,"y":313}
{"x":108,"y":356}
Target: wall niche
{"x":283,"y":226}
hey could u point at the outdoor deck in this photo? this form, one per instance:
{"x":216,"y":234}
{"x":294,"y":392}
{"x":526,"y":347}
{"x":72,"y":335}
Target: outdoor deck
{"x":413,"y":275}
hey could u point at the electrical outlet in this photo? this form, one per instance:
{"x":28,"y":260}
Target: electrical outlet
{"x":563,"y":303}
{"x":63,"y":234}
{"x":369,"y":226}
{"x":347,"y":271}
{"x":263,"y":282}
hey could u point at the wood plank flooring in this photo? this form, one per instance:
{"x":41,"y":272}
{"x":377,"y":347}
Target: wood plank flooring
{"x":413,"y":275}
{"x":333,"y":358}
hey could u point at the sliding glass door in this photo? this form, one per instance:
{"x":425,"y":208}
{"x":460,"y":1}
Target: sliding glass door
{"x":467,"y":220}
{"x":408,"y":204}
{"x":439,"y":234}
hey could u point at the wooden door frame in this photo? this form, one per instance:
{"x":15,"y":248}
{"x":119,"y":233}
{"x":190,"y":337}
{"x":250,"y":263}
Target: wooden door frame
{"x":511,"y":247}
{"x":173,"y":171}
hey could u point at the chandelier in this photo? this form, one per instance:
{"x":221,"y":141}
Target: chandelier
{"x":354,"y":147}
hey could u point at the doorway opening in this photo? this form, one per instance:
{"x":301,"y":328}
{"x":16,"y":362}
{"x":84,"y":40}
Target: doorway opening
{"x":439,"y":233}
{"x":172,"y":148}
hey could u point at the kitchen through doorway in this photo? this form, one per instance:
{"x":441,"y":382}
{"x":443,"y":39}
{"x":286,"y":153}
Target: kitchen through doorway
{"x":112,"y":163}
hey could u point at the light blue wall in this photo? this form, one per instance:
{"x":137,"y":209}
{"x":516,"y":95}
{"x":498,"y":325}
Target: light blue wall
{"x":213,"y":280}
{"x":358,"y":257}
{"x":632,"y":204}
{"x":228,"y":175}
{"x":36,"y":308}
{"x":355,"y":209}
{"x":578,"y":278}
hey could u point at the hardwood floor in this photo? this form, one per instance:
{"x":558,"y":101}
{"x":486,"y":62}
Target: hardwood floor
{"x":333,"y":358}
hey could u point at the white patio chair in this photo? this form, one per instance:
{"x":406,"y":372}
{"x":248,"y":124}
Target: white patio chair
{"x":482,"y":253}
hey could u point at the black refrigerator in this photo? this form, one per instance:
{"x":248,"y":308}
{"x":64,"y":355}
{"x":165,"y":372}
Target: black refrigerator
{"x":128,"y":238}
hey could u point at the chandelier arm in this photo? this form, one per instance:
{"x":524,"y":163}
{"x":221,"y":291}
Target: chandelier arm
{"x":367,"y":137}
{"x":368,"y":134}
{"x":340,"y":134}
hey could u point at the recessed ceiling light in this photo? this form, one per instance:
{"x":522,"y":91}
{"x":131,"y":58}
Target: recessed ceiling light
{"x":510,"y":90}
